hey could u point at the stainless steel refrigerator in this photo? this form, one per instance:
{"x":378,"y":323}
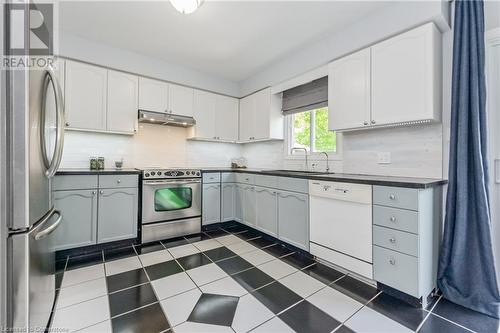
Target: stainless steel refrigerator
{"x":34,"y":141}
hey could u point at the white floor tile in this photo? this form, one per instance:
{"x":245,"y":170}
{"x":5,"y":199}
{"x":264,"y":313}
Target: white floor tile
{"x":205,"y":274}
{"x":82,"y":315}
{"x":104,"y":327}
{"x":274,"y":325}
{"x":81,"y":292}
{"x":242,"y":247}
{"x":249,"y":314}
{"x":302,"y":284}
{"x":370,"y":321}
{"x":122,"y":265}
{"x":189,"y":327}
{"x":172,"y":285}
{"x":257,"y":257}
{"x":207,"y":245}
{"x":226,"y":286}
{"x":183,"y":250}
{"x":80,"y":275}
{"x":336,"y":304}
{"x":277,"y":269}
{"x":178,"y":308}
{"x":156,"y":257}
{"x":229,"y":239}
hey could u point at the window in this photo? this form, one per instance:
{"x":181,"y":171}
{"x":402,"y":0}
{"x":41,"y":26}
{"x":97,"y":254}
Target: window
{"x":309,"y":130}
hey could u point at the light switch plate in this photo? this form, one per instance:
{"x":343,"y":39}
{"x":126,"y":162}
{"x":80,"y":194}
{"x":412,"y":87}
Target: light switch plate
{"x":384,"y":158}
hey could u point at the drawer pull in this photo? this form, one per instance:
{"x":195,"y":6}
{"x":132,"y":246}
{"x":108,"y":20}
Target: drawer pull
{"x":392,"y":261}
{"x":392,"y":219}
{"x":326,"y":187}
{"x":119,"y":181}
{"x":101,"y":192}
{"x":93,"y":193}
{"x":392,"y":197}
{"x":392,"y":240}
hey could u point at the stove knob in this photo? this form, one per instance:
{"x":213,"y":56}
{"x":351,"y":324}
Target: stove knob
{"x":159,"y":173}
{"x":146,"y":174}
{"x":153,"y":173}
{"x":188,"y":172}
{"x":198,"y":173}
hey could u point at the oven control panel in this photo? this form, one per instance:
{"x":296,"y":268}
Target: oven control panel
{"x":170,"y":173}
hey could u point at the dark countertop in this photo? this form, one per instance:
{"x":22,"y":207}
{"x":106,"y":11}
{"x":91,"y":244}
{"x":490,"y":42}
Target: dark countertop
{"x":409,"y":182}
{"x":110,"y":171}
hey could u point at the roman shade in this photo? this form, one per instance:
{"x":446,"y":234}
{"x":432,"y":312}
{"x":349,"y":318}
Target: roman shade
{"x":309,"y":96}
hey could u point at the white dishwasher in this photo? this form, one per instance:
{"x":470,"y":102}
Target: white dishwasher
{"x":341,"y":224}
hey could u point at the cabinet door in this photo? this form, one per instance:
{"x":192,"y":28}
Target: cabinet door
{"x":262,"y":114}
{"x":153,"y":95}
{"x":228,"y":202}
{"x":402,"y":77}
{"x":85,"y":93}
{"x":211,"y":204}
{"x":293,"y":219}
{"x":247,"y":116}
{"x":79,"y":218}
{"x":249,"y":205}
{"x":180,"y":100}
{"x":266,"y":204}
{"x":239,"y":195}
{"x":226,"y":118}
{"x":204,"y":114}
{"x":349,"y":91}
{"x":122,"y":102}
{"x":117,"y":218}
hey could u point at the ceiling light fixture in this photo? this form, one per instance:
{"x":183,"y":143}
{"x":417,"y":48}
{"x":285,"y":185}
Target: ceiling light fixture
{"x":186,"y":6}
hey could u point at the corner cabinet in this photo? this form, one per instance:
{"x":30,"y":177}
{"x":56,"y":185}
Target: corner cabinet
{"x":395,"y":82}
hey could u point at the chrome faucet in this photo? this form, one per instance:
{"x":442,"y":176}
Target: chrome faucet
{"x":305,"y":154}
{"x":327,"y":163}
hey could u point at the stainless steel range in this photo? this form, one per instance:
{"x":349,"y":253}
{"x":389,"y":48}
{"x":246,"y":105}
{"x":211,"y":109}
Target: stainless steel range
{"x":171,"y":203}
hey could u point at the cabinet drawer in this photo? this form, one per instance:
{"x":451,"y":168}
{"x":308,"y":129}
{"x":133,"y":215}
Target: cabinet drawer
{"x":397,"y":270}
{"x":396,"y":240}
{"x":245,"y":178}
{"x":211,"y":177}
{"x":228,"y":177}
{"x":76,"y":182}
{"x":114,"y":181}
{"x":293,"y":184}
{"x":266,"y":181}
{"x":398,"y":197}
{"x":400,"y":219}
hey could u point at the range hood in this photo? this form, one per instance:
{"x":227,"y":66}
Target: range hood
{"x":163,"y":118}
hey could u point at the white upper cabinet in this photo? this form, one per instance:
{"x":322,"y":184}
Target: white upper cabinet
{"x":226,"y":118}
{"x":85,"y":96}
{"x":122,"y":102}
{"x":393,"y":82}
{"x":180,"y":100}
{"x":406,"y":77}
{"x":247,"y":118}
{"x":204,"y":114}
{"x":349,"y":91}
{"x":153,"y":95}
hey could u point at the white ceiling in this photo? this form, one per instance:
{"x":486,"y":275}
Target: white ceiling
{"x":229,"y":39}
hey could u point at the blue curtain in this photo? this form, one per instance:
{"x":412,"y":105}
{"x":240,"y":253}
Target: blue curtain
{"x":466,"y":267}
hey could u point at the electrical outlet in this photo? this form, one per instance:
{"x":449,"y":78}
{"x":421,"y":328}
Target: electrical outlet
{"x":384,"y":158}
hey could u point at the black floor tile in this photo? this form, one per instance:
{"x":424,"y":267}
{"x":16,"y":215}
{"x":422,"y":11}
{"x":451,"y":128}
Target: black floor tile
{"x":278,"y":250}
{"x":61,"y":265}
{"x":250,"y":234}
{"x":216,"y":233}
{"x":307,"y":318}
{"x":261,"y":242}
{"x":149,"y":319}
{"x":214,"y":310}
{"x":432,"y":302}
{"x":468,"y":318}
{"x":323,"y":273}
{"x":173,"y":242}
{"x":149,"y":247}
{"x":276,"y":297}
{"x":235,"y":229}
{"x":59,"y":278}
{"x":220,"y":253}
{"x":252,"y":279}
{"x":405,"y":314}
{"x":434,"y":324}
{"x":127,"y":279}
{"x":130,"y":299}
{"x":234,"y":265}
{"x":193,"y":261}
{"x":298,"y":260}
{"x":356,"y":289}
{"x":84,"y":260}
{"x":120,"y":253}
{"x":345,"y":329}
{"x":198,"y":237}
{"x":163,"y":269}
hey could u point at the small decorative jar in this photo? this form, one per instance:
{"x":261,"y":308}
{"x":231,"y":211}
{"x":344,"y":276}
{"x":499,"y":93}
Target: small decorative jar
{"x":93,"y":163}
{"x":100,"y":163}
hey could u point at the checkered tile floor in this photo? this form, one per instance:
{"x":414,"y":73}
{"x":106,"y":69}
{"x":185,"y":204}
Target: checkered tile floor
{"x":233,"y":280}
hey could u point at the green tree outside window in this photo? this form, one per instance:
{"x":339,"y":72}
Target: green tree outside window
{"x":321,"y":139}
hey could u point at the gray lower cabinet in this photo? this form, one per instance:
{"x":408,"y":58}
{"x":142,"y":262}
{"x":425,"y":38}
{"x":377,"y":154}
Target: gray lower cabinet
{"x":228,"y":202}
{"x":266,"y":207}
{"x":211,"y":202}
{"x":248,"y":204}
{"x":238,"y":202}
{"x":117,"y":214}
{"x":79,"y":218}
{"x":293,"y":218}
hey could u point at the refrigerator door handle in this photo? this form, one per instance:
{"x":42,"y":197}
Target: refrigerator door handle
{"x":44,"y":233}
{"x":53,"y":165}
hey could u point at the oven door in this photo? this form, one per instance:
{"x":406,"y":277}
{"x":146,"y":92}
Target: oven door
{"x":166,"y":200}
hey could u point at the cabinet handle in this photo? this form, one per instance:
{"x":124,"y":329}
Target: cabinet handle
{"x":119,"y":181}
{"x":373,"y":121}
{"x":67,"y":124}
{"x":93,"y":193}
{"x":392,"y":197}
{"x":101,"y":192}
{"x":326,"y":187}
{"x":365,"y":123}
{"x":392,"y":219}
{"x":392,"y":240}
{"x":392,"y":261}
